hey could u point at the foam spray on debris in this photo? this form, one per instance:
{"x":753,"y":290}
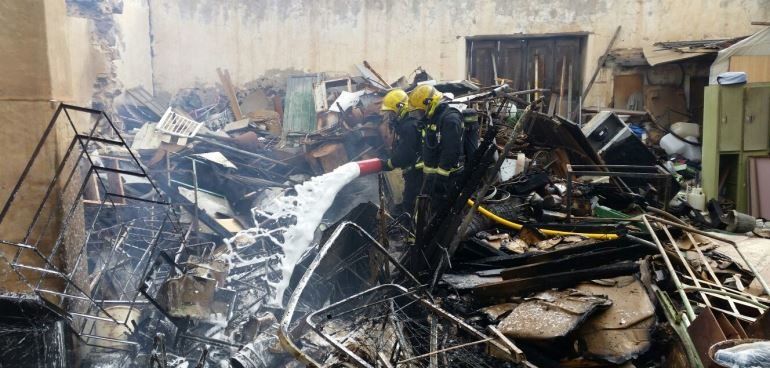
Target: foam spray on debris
{"x":313,"y":198}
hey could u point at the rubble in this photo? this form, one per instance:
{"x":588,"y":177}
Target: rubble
{"x":260,"y":244}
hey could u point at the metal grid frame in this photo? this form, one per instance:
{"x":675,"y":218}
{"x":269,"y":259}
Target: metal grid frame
{"x":76,"y":250}
{"x":395,"y":298}
{"x":371,"y":268}
{"x":712,"y":289}
{"x":642,"y":172}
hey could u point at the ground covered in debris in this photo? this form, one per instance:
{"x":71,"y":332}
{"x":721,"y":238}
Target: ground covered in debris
{"x":220,"y":230}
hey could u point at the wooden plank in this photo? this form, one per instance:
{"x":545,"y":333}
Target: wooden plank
{"x":224,"y":77}
{"x":599,"y":67}
{"x":508,"y":288}
{"x":757,"y":67}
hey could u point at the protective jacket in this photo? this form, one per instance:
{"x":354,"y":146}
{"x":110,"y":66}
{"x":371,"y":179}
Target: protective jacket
{"x":406,"y":147}
{"x":442,"y":149}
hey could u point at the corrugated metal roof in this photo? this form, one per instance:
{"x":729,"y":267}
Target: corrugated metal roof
{"x":657,"y":56}
{"x":667,"y":52}
{"x":299,"y":111}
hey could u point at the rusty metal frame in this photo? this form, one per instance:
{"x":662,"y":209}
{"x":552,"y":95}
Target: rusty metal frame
{"x":135,"y":234}
{"x":284,"y":332}
{"x":706,"y":288}
{"x":314,"y":321}
{"x":643,"y":172}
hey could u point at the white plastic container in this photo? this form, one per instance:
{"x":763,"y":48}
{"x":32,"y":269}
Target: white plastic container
{"x":696,"y":198}
{"x":673,"y":145}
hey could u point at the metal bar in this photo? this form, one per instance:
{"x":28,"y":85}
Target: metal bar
{"x":49,"y":190}
{"x":680,"y":328}
{"x":671,"y":270}
{"x":38,"y":269}
{"x":208,"y":340}
{"x":80,"y":108}
{"x":97,"y":139}
{"x":685,"y":263}
{"x":15,"y":244}
{"x":202,"y":137}
{"x":432,"y":353}
{"x":89,"y":316}
{"x":31,"y":161}
{"x":121,"y":171}
{"x":110,"y":194}
{"x":757,"y":275}
{"x":643,"y":167}
{"x":90,"y":232}
{"x":133,"y":156}
{"x":109,"y":339}
{"x":65,"y":224}
{"x":620,"y":174}
{"x":764,"y":301}
{"x":707,"y":264}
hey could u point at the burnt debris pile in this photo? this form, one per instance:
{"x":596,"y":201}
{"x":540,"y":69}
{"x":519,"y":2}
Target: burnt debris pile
{"x":230,"y":227}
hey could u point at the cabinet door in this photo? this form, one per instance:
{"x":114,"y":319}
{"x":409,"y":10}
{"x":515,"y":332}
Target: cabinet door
{"x":730,"y":118}
{"x":756,"y":119}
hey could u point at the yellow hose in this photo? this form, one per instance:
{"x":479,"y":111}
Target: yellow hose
{"x":516,"y":226}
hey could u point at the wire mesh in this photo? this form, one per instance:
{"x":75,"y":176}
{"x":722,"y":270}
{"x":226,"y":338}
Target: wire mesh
{"x":392,"y":327}
{"x":348,"y":296}
{"x":84,"y":224}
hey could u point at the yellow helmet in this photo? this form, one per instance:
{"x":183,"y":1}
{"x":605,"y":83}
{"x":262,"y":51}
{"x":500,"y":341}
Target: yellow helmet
{"x":425,"y":97}
{"x":396,"y":100}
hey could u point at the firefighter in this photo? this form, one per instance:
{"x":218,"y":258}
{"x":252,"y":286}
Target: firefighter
{"x":442,"y":133}
{"x":406,"y":145}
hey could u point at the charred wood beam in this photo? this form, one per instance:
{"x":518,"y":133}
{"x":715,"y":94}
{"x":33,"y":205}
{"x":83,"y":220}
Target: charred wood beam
{"x":555,"y":280}
{"x":527,"y":258}
{"x":578,"y":262}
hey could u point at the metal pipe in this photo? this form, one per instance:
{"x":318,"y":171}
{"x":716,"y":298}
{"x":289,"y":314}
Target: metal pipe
{"x":757,"y":275}
{"x":671,"y":270}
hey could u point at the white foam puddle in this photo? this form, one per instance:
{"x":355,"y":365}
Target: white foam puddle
{"x":313,"y":198}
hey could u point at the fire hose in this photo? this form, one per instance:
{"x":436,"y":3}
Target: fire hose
{"x":516,"y":226}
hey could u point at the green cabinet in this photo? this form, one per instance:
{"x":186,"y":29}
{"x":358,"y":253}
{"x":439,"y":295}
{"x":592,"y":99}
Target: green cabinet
{"x":730,"y":118}
{"x":736,"y":126}
{"x":755,"y":118}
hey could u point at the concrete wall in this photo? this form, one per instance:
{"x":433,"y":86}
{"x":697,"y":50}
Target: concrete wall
{"x":256,"y":38}
{"x":47,"y":58}
{"x":134,"y":65}
{"x":25,"y":88}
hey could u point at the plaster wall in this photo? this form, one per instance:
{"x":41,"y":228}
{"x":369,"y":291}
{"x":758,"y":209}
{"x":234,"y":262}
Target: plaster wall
{"x":255,"y":38}
{"x":134,"y":65}
{"x":47,"y":59}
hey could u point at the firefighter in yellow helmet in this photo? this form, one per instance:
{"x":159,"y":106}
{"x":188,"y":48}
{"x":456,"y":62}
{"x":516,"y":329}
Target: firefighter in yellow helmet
{"x":406,"y":145}
{"x":442,"y":132}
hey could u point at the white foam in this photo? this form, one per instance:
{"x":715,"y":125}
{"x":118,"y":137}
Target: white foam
{"x":313,"y":198}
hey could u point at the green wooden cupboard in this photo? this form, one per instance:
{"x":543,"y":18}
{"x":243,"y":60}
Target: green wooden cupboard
{"x":736,"y":126}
